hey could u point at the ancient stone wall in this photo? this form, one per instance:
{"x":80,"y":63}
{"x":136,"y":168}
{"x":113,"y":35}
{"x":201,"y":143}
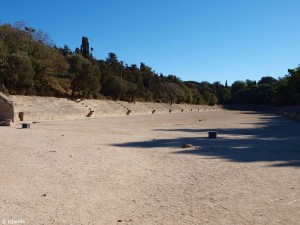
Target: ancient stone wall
{"x":6,"y":108}
{"x":37,"y":108}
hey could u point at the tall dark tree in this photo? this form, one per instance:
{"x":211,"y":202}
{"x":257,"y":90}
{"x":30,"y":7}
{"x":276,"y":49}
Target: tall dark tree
{"x":85,"y":48}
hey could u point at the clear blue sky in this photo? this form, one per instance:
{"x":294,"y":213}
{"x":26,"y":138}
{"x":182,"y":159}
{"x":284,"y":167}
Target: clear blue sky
{"x":200,"y":40}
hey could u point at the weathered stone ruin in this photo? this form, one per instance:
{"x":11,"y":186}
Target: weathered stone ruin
{"x":19,"y":108}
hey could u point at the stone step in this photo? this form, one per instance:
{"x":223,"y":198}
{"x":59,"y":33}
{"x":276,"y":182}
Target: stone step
{"x":90,"y":113}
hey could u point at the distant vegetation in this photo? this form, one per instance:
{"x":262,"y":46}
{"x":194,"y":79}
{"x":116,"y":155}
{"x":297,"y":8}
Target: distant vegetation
{"x":31,"y":65}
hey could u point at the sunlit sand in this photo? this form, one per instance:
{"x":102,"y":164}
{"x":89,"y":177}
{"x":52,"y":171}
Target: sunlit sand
{"x":133,"y":170}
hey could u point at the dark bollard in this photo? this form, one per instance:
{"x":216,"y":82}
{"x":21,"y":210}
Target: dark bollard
{"x":212,"y":134}
{"x":25,"y":125}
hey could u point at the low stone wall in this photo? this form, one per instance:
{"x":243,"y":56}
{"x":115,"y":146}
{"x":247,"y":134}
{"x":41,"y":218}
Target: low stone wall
{"x":291,"y":112}
{"x":6,"y":108}
{"x":36,"y":108}
{"x":248,"y":107}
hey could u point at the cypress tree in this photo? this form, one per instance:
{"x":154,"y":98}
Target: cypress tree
{"x":85,"y":48}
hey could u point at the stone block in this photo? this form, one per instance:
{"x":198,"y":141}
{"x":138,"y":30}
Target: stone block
{"x":25,"y":125}
{"x":212,"y":134}
{"x":8,"y":122}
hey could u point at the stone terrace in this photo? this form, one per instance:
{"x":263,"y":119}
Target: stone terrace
{"x":35,"y":108}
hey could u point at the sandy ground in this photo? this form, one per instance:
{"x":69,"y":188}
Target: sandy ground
{"x":132,"y":170}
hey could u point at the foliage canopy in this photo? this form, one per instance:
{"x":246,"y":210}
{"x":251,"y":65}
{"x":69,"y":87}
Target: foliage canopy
{"x":30,"y":64}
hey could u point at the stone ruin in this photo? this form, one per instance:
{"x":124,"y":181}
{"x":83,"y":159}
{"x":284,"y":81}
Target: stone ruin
{"x":19,"y":108}
{"x":6,"y":110}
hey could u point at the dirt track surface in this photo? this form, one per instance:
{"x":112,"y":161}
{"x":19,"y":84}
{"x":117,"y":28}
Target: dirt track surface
{"x":132,"y":170}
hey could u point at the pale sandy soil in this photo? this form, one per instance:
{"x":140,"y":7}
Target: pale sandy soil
{"x":132,"y":170}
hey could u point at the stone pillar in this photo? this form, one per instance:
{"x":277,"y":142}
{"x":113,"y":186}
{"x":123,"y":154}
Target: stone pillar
{"x":6,"y":108}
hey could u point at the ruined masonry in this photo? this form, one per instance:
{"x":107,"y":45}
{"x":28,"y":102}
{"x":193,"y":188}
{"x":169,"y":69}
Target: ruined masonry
{"x":19,"y":108}
{"x":6,"y":108}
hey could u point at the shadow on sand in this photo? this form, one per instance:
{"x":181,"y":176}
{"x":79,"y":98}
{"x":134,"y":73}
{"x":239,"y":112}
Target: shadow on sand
{"x":276,"y":140}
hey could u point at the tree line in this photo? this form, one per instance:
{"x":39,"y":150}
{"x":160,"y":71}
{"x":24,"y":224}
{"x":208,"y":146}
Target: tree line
{"x":30,"y":64}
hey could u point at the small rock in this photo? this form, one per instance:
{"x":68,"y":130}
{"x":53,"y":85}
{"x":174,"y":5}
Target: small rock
{"x":120,"y":221}
{"x":44,"y":195}
{"x":186,"y":146}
